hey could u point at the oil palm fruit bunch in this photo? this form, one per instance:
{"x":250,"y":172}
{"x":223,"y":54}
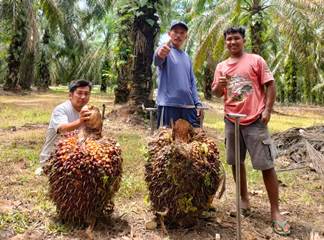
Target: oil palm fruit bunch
{"x":182,"y":173}
{"x":84,"y":172}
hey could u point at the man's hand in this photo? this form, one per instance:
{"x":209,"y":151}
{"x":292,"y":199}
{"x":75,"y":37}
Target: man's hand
{"x":164,"y":51}
{"x":200,"y":113}
{"x":221,"y":85}
{"x":265,"y":116}
{"x":84,"y":115}
{"x":222,"y":82}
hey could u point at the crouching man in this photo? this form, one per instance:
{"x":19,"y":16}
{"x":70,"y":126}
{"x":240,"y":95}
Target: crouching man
{"x":66,"y":117}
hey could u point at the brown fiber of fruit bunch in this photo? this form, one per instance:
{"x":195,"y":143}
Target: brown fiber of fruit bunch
{"x":182,"y":177}
{"x":83,"y":177}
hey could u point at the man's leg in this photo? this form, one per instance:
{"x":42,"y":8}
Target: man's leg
{"x":245,"y":203}
{"x":272,"y":186}
{"x":190,"y":114}
{"x":258,"y":142}
{"x":230,"y":154}
{"x":165,"y":115}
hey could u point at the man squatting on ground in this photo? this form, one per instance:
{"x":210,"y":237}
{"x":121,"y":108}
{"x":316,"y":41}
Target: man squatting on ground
{"x":248,"y":88}
{"x":67,"y":116}
{"x":177,"y":91}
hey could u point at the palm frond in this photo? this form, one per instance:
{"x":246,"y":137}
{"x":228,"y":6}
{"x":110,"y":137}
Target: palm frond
{"x":213,"y":35}
{"x":57,"y":18}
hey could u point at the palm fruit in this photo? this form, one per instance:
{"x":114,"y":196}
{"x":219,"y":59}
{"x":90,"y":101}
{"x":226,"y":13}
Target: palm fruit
{"x":84,"y":173}
{"x":182,"y":173}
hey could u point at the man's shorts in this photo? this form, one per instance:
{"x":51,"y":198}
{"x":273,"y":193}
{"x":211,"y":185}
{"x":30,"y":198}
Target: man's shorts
{"x":167,"y":114}
{"x":255,"y":139}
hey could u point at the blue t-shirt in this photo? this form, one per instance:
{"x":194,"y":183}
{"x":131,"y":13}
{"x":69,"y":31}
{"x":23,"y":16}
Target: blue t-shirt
{"x":176,"y":80}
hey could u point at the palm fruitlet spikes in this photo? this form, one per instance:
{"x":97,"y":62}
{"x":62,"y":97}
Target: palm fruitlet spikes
{"x":182,"y":177}
{"x":83,"y":178}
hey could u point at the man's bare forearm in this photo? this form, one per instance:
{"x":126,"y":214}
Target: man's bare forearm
{"x":270,"y":96}
{"x":67,"y":127}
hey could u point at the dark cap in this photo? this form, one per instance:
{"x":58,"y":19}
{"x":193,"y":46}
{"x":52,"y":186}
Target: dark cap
{"x":178,"y":23}
{"x":79,"y":83}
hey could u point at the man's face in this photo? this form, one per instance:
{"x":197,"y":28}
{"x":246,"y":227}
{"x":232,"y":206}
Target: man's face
{"x":80,"y":97}
{"x":234,"y":43}
{"x":178,"y":35}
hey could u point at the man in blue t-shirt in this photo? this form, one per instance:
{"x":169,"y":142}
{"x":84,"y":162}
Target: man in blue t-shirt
{"x":177,"y":91}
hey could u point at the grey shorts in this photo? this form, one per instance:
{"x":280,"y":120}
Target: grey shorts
{"x":255,"y":139}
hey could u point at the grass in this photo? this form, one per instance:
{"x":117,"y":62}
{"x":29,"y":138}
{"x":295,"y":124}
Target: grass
{"x":133,"y":148}
{"x":281,"y":123}
{"x":19,"y":151}
{"x":95,"y":90}
{"x":57,"y":227}
{"x":13,"y":115}
{"x":15,"y":154}
{"x":36,"y":108}
{"x":17,"y":221}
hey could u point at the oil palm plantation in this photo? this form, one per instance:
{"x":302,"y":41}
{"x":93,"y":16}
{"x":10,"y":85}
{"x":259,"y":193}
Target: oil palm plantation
{"x":276,"y":30}
{"x":80,"y":38}
{"x":112,"y":42}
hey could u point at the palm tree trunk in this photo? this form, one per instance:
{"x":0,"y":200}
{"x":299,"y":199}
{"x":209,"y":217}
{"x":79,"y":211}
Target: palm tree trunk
{"x":208,"y":77}
{"x":146,"y":29}
{"x":14,"y":53}
{"x":21,"y":52}
{"x":43,"y":66}
{"x":122,"y":90}
{"x":123,"y":63}
{"x":256,"y":27}
{"x":280,"y":90}
{"x":16,"y":47}
{"x":291,"y":88}
{"x":27,"y":73}
{"x":104,"y":74}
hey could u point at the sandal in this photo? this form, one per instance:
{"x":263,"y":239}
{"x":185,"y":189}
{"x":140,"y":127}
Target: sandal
{"x":279,"y":227}
{"x":245,"y":212}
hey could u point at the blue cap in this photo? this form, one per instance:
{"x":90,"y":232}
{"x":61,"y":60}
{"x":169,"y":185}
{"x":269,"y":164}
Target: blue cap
{"x":178,"y":23}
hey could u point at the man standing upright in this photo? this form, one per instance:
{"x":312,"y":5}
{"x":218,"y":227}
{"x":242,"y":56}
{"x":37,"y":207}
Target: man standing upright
{"x":177,"y":91}
{"x":248,"y":88}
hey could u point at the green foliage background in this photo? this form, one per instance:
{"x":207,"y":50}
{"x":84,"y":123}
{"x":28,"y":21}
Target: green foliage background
{"x":93,"y":40}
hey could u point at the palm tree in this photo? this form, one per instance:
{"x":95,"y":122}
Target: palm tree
{"x":81,"y":48}
{"x":27,"y":66}
{"x":67,"y":44}
{"x":123,"y":51}
{"x":299,"y":45}
{"x":22,"y":45}
{"x":145,"y":30}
